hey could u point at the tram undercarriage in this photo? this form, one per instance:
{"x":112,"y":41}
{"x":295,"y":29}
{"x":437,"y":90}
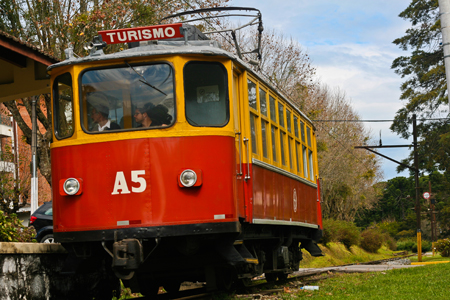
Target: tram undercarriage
{"x":222,"y":260}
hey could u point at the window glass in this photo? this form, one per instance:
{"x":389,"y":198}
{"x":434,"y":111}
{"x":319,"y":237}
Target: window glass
{"x":305,"y":163}
{"x":282,"y":138}
{"x":263,"y":102}
{"x":302,"y":129}
{"x":288,"y":120}
{"x":308,"y":130}
{"x":281,"y":114}
{"x":63,"y":106}
{"x":252,"y":94}
{"x":274,"y":144}
{"x":297,"y":149}
{"x":290,"y":153}
{"x":311,"y":166}
{"x":49,"y":212}
{"x":253,"y":132}
{"x":127,"y":97}
{"x":296,"y":126}
{"x":273,"y":111}
{"x":206,"y":94}
{"x":264,"y":126}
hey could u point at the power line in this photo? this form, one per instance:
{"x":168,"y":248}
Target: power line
{"x":377,"y":121}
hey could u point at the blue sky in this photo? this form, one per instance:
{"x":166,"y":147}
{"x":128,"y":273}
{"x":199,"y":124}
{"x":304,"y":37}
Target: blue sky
{"x":350,"y":43}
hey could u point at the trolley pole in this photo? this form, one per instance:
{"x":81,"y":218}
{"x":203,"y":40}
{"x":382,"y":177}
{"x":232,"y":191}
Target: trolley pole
{"x":416,"y":179}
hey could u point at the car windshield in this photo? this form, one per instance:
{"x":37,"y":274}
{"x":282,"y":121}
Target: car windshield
{"x":130,"y":97}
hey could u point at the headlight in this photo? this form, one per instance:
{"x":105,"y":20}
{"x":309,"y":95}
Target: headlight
{"x":188,"y":178}
{"x":71,"y":186}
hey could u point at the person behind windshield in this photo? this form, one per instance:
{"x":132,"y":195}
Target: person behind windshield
{"x":160,"y":115}
{"x":141,"y":116}
{"x":100,"y":112}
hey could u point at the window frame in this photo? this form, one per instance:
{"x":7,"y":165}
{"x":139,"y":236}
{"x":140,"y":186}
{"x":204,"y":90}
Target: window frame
{"x":133,"y":64}
{"x":55,"y":108}
{"x":227,"y":94}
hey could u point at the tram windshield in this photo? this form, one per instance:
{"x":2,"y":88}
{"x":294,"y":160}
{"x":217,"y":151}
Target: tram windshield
{"x":130,"y":97}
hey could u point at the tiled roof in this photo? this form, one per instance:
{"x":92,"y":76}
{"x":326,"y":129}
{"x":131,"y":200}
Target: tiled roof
{"x":30,"y":46}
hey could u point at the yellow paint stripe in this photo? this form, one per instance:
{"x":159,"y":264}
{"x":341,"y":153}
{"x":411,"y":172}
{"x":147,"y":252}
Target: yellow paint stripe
{"x":429,"y":263}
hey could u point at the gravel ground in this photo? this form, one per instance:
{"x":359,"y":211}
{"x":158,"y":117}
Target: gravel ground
{"x":402,"y":261}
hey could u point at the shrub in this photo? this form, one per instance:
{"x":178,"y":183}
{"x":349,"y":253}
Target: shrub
{"x":443,"y":247}
{"x":390,"y":242}
{"x":426,"y":246}
{"x":371,"y":240}
{"x":12,"y":230}
{"x":406,"y":245}
{"x":340,"y":231}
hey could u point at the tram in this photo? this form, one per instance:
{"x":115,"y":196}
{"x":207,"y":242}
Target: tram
{"x":174,"y":161}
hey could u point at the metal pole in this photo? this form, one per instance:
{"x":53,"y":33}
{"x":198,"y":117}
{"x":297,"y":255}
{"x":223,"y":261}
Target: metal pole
{"x":431,"y":216}
{"x":416,"y":179}
{"x":444,"y":13}
{"x":34,"y":186}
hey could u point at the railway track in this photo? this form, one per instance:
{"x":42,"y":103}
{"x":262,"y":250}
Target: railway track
{"x":260,"y":286}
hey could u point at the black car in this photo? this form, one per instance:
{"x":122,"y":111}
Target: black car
{"x":42,"y":221}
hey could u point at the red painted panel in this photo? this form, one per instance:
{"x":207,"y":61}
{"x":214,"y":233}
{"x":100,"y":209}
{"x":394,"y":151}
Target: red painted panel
{"x":162,"y":202}
{"x":273,"y":197}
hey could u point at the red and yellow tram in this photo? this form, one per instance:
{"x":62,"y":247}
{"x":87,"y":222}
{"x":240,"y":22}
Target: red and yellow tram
{"x":173,"y":161}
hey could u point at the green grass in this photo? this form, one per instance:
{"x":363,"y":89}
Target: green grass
{"x":336,"y":254}
{"x":437,"y":257}
{"x":426,"y":282}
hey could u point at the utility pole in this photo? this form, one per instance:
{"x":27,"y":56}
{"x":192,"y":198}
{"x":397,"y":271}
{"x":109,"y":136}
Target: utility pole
{"x":416,"y":179}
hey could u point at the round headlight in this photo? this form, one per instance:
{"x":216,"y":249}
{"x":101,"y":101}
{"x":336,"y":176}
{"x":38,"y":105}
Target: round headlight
{"x":71,"y":186}
{"x":188,"y":178}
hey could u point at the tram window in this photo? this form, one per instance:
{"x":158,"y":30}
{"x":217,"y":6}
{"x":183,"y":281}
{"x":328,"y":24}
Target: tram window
{"x":206,"y":94}
{"x":288,"y":120}
{"x":297,"y":149}
{"x":305,"y":163}
{"x":263,"y":101}
{"x":63,"y":106}
{"x":253,"y":132}
{"x":296,"y":126}
{"x":130,"y":97}
{"x":311,"y":168}
{"x":282,"y":138}
{"x":274,"y":144}
{"x":308,"y":131}
{"x":302,"y":129}
{"x":281,"y":114}
{"x":290,"y":141}
{"x":252,"y":94}
{"x":273,"y":110}
{"x":264,"y":126}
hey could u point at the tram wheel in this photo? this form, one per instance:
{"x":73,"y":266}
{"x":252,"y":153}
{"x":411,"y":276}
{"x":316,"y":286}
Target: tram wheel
{"x":172,"y":286}
{"x":226,"y":279}
{"x":271,"y":277}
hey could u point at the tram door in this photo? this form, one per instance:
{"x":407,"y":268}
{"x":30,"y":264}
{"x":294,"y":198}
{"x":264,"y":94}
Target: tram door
{"x":237,"y":101}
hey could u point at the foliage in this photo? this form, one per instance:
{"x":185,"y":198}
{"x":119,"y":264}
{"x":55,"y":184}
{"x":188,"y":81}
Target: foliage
{"x":340,"y":231}
{"x":349,"y":176}
{"x":443,"y":247}
{"x":424,"y":88}
{"x":371,"y":240}
{"x":411,"y":245}
{"x":12,"y":230}
{"x":390,"y":242}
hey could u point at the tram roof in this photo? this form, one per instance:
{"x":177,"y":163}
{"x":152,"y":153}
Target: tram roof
{"x":205,"y":47}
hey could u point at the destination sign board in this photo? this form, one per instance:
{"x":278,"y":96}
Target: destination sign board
{"x":138,"y":34}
